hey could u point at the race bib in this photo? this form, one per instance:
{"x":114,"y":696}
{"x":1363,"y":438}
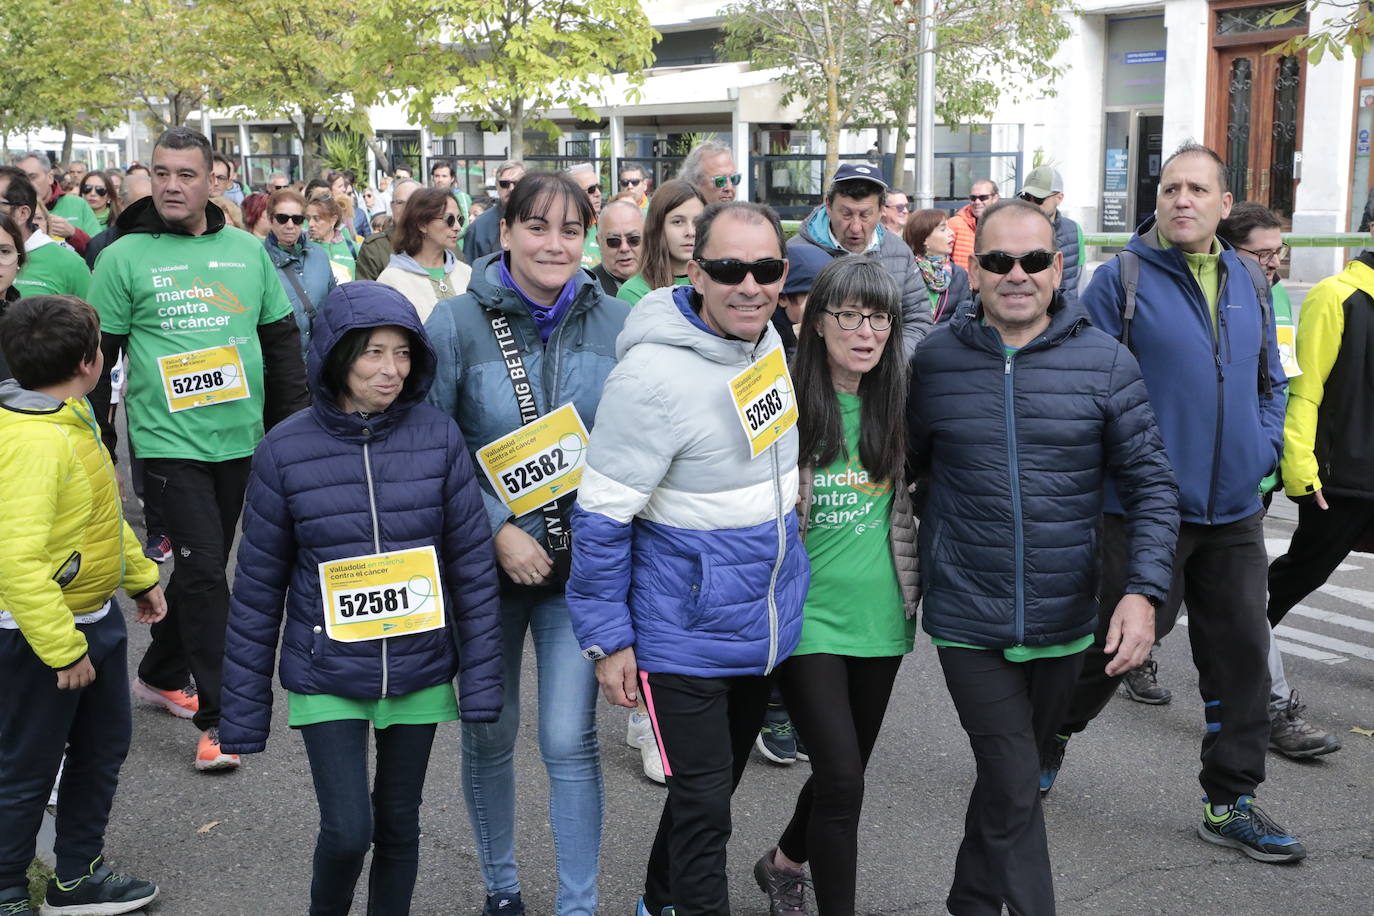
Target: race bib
{"x":1288,"y":349}
{"x":382,"y":595}
{"x":539,"y":462}
{"x":203,"y":377}
{"x":765,"y":402}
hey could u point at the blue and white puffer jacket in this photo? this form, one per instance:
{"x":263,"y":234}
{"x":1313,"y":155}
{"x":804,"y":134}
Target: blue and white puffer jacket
{"x":473,"y":386}
{"x":327,"y":485}
{"x":684,"y":547}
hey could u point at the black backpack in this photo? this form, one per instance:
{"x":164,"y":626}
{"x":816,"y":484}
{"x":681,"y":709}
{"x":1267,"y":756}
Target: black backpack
{"x":1130,"y":281}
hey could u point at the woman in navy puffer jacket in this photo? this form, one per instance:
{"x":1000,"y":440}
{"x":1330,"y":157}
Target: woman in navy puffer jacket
{"x":369,"y":469}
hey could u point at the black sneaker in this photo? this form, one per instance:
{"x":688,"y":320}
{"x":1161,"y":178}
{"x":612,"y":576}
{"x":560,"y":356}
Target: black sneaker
{"x":1051,"y":759}
{"x":777,"y":739}
{"x":100,"y":892}
{"x":785,"y":887}
{"x":1142,"y":684}
{"x":1293,"y":736}
{"x":14,"y":901}
{"x":504,"y":905}
{"x":1246,"y":827}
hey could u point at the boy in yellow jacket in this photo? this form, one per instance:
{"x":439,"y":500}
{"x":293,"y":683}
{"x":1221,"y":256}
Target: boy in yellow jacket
{"x":64,"y":682}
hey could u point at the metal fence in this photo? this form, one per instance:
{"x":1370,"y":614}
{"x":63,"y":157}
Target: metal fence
{"x":257,"y":168}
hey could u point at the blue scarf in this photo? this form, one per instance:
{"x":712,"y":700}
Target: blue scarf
{"x":546,"y":317}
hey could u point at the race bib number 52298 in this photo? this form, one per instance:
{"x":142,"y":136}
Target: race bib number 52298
{"x":202,"y":377}
{"x":765,"y":402}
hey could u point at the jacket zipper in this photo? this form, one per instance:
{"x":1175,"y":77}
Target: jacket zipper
{"x":376,"y":547}
{"x":1221,"y":388}
{"x":777,"y":563}
{"x":1013,"y":475}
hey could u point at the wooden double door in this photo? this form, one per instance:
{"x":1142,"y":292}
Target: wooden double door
{"x":1256,"y":122}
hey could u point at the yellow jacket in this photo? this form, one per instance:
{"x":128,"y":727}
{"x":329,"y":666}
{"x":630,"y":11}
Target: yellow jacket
{"x":64,"y":544}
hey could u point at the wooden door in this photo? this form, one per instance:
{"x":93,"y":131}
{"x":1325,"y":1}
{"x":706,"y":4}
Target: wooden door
{"x":1256,"y":125}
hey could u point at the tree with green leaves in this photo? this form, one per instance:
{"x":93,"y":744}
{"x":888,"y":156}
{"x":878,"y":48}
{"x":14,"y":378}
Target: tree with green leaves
{"x":175,"y":81}
{"x":1352,"y":27}
{"x":505,"y":63}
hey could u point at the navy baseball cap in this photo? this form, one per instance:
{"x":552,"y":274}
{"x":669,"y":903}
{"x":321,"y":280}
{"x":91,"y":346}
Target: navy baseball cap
{"x":804,"y":261}
{"x":853,"y":171}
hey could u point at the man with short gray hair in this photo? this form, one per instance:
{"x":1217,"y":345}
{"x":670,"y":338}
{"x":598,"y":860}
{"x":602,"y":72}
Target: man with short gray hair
{"x":710,"y":168}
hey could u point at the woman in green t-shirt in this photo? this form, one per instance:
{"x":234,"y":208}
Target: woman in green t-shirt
{"x":855,"y":515}
{"x":669,"y":234}
{"x":327,"y":230}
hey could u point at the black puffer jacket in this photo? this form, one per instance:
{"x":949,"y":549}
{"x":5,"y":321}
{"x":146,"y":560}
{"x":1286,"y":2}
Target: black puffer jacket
{"x":1016,"y":449}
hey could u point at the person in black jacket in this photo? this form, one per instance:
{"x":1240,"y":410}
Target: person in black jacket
{"x":1018,"y":412}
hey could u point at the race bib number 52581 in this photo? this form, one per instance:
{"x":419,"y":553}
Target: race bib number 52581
{"x":202,"y":377}
{"x":382,"y":595}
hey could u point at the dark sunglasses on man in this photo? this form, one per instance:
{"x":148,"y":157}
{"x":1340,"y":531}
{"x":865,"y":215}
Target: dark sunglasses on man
{"x":281,"y":219}
{"x":277,"y":187}
{"x":720,"y":181}
{"x":630,"y":182}
{"x":732,"y":271}
{"x":615,"y":241}
{"x":1032,"y":262}
{"x":1032,"y":199}
{"x":980,"y":197}
{"x":593,"y":189}
{"x":505,"y":184}
{"x":92,"y":189}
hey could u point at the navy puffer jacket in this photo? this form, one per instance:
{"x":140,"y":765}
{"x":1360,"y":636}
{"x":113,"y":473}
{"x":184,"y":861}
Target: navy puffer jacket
{"x":309,"y":502}
{"x":1017,"y":448}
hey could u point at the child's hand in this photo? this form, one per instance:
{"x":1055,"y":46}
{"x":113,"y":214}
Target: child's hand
{"x":77,"y":676}
{"x":152,"y":606}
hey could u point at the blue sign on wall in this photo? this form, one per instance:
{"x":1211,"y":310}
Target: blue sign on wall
{"x":1145,"y":57}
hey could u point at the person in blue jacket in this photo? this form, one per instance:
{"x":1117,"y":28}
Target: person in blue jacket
{"x":362,"y":517}
{"x":533,"y":332}
{"x":1018,"y":412}
{"x":1204,"y":334}
{"x":288,"y":245}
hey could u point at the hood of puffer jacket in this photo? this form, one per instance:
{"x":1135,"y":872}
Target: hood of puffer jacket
{"x":364,"y":304}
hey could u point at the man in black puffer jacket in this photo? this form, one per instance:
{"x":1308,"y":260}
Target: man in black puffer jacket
{"x":1018,"y":412}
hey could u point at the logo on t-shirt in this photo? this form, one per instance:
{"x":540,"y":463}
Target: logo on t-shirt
{"x":846,"y":497}
{"x":193,"y":308}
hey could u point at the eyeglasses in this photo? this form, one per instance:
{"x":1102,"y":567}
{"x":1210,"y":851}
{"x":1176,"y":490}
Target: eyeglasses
{"x":900,"y":208}
{"x":9,"y":256}
{"x":505,"y":184}
{"x":630,"y":182}
{"x":218,"y":179}
{"x":721,"y":181}
{"x":1032,"y":262}
{"x":850,"y":321}
{"x":276,"y":187}
{"x":1268,"y":254}
{"x":281,"y":219}
{"x":92,"y":189}
{"x":593,"y":189}
{"x":1032,"y":199}
{"x":451,"y":219}
{"x":981,"y":197}
{"x":732,"y":271}
{"x":616,"y":241}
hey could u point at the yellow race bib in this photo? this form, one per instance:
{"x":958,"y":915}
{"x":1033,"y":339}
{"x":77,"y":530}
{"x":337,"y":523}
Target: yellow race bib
{"x":539,"y":462}
{"x":382,"y":595}
{"x":764,"y":401}
{"x":200,"y":378}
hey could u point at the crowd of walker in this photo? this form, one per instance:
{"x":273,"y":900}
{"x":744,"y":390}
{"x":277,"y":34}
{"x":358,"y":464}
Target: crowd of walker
{"x":716,"y":475}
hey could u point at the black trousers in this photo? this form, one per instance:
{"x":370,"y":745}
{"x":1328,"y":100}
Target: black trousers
{"x":705,"y":728}
{"x":1009,"y":710}
{"x":1219,"y":571}
{"x":153,"y":526}
{"x":201,"y":502}
{"x":37,"y":723}
{"x":1323,"y":538}
{"x":837,"y":703}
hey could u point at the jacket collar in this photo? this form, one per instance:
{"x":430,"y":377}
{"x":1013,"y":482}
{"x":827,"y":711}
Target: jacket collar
{"x":142,"y":216}
{"x":1066,"y":320}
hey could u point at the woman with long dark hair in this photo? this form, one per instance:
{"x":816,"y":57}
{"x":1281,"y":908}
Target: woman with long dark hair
{"x":928,"y":235}
{"x":669,"y":234}
{"x":855,"y":516}
{"x":101,"y":195}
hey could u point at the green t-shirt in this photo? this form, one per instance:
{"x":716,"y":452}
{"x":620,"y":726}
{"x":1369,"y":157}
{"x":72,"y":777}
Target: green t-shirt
{"x":636,"y":288}
{"x":103,"y":218}
{"x":176,"y":294}
{"x":341,"y":254}
{"x":426,"y":706}
{"x":52,"y":269}
{"x":76,"y":211}
{"x":436,"y":273}
{"x":854,"y":605}
{"x":591,"y":249}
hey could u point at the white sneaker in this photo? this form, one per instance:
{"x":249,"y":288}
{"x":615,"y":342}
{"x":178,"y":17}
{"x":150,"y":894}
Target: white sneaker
{"x":637,"y":727}
{"x":651,"y":759}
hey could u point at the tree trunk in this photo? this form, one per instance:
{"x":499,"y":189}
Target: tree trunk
{"x":515,"y":125}
{"x":903,"y":137}
{"x":383,"y":160}
{"x":832,"y":147}
{"x":309,"y":133}
{"x":67,"y":130}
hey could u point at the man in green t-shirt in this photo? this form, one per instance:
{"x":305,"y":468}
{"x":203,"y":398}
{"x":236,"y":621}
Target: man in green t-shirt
{"x":72,"y":208}
{"x":49,"y":268}
{"x":214,"y":357}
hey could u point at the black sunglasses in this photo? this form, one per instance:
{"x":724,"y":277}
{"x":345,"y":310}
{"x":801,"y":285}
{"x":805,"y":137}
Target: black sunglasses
{"x":92,"y":189}
{"x":615,"y":241}
{"x":451,"y":219}
{"x":281,"y":219}
{"x":1032,"y":262}
{"x":593,"y":189}
{"x":277,"y":187}
{"x":1031,"y":198}
{"x":505,"y":184}
{"x":980,"y":197}
{"x":630,"y":182}
{"x":732,"y":271}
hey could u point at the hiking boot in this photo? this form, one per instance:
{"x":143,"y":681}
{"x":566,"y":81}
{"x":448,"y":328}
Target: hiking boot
{"x":504,"y":905}
{"x":158,"y":548}
{"x":1246,"y":827}
{"x":1051,"y":759}
{"x":1142,"y":684}
{"x":182,"y":702}
{"x":210,"y":757}
{"x":99,"y":892}
{"x":777,"y":739}
{"x":1294,"y":737}
{"x":14,"y":901}
{"x":785,"y":887}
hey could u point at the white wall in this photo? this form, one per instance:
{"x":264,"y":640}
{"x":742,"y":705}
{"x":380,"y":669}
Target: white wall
{"x":1185,"y":72}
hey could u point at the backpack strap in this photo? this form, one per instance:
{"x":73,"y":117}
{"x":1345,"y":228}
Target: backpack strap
{"x":1130,"y":282}
{"x":1264,"y":294}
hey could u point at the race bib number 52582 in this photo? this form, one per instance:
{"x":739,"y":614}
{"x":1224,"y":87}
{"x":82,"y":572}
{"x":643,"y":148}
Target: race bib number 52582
{"x":539,"y":462}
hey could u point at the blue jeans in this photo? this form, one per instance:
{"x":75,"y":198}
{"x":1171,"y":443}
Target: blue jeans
{"x":567,"y":741}
{"x":351,"y":822}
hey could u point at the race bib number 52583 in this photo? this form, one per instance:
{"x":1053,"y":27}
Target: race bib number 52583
{"x":765,"y":402}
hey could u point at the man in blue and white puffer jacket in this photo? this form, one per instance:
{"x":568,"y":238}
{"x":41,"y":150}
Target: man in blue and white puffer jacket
{"x":688,"y":576}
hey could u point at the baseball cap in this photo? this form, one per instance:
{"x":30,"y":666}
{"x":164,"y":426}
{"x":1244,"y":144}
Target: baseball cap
{"x":1043,"y":182}
{"x":854,"y":171}
{"x":804,"y":261}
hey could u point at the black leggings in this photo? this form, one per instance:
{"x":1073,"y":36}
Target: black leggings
{"x":837,"y":703}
